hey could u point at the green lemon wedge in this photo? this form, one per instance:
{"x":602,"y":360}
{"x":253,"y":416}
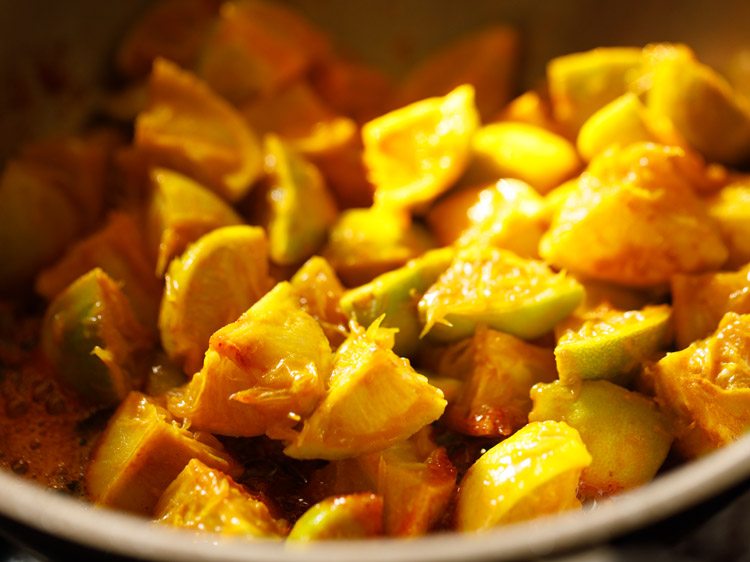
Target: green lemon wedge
{"x":485,"y":285}
{"x":91,"y":336}
{"x":606,"y":343}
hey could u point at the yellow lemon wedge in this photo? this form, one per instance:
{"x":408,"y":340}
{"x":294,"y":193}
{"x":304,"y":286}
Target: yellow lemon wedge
{"x":415,"y":153}
{"x":198,"y":299}
{"x":533,"y":472}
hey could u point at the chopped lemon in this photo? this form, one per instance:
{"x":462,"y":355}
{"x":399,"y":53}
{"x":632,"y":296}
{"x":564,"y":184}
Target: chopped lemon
{"x":606,"y":343}
{"x":626,"y":434}
{"x":92,"y":338}
{"x":519,"y":150}
{"x":496,"y":372}
{"x":582,"y":83}
{"x":198,"y":300}
{"x":449,"y":217}
{"x":649,"y":222}
{"x":531,"y":473}
{"x":301,"y":208}
{"x":395,"y":294}
{"x":706,"y":387}
{"x":189,"y":128}
{"x":417,"y":481}
{"x":700,"y":302}
{"x":320,"y":293}
{"x":36,"y":224}
{"x":680,"y":90}
{"x":374,"y":400}
{"x":142,"y":450}
{"x":363,"y":243}
{"x":415,"y":153}
{"x":261,"y":374}
{"x":730,"y":209}
{"x":179,"y":212}
{"x":352,"y":516}
{"x":258,"y":47}
{"x":621,"y":122}
{"x":509,"y":215}
{"x":205,"y":499}
{"x":486,"y":285}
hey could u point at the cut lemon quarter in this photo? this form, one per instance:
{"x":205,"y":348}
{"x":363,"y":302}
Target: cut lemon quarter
{"x":415,"y":153}
{"x":210,"y":285}
{"x":606,"y":343}
{"x":485,"y":285}
{"x":533,"y":472}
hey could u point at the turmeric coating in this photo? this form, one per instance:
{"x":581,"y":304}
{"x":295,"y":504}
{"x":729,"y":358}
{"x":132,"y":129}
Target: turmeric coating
{"x":298,"y":299}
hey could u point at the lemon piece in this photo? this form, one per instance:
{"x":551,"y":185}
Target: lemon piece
{"x":210,"y":285}
{"x":188,"y":128}
{"x":699,"y":104}
{"x":621,"y":122}
{"x":706,"y":387}
{"x":626,"y":434}
{"x":204,"y":499}
{"x":649,"y":223}
{"x":301,"y":208}
{"x":606,"y":343}
{"x":92,"y":338}
{"x":142,"y":451}
{"x":363,"y":243}
{"x":417,"y":481}
{"x":261,"y":374}
{"x":730,"y":209}
{"x":179,"y":212}
{"x":509,"y":215}
{"x":415,"y":153}
{"x":582,"y":83}
{"x":320,"y":293}
{"x":532,"y":473}
{"x":374,"y":400}
{"x":395,"y":294}
{"x":521,"y":151}
{"x":496,"y":372}
{"x":119,"y":249}
{"x":353,"y":516}
{"x":700,"y":302}
{"x":485,"y":285}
